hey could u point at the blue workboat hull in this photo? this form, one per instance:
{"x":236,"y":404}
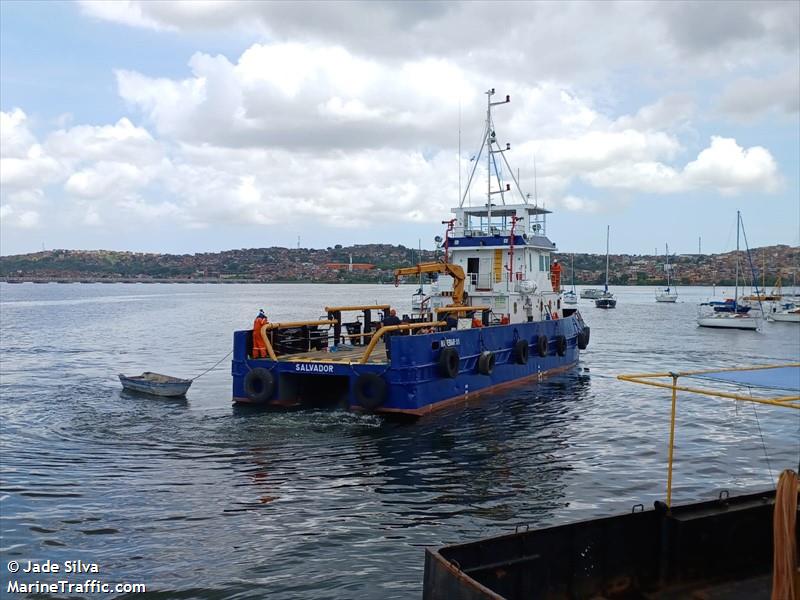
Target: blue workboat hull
{"x":413,"y":381}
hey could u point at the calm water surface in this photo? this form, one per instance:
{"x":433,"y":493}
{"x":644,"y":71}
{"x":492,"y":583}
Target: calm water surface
{"x":198,"y":499}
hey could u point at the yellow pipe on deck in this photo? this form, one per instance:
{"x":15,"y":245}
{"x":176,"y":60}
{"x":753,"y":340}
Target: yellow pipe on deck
{"x":388,"y":328}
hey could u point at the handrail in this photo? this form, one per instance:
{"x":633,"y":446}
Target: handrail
{"x":789,"y":401}
{"x":330,"y":309}
{"x":388,"y":328}
{"x":647,"y":379}
{"x":443,"y":309}
{"x":273,"y":326}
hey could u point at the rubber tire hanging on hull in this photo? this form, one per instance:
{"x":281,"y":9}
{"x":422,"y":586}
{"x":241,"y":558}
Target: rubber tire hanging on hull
{"x":449,"y":362}
{"x":259,"y":384}
{"x":583,"y":338}
{"x":521,"y":352}
{"x":541,"y":345}
{"x":370,"y":391}
{"x":486,"y":362}
{"x":561,"y":345}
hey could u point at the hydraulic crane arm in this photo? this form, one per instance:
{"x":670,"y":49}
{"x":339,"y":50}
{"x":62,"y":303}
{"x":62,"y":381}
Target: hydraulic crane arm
{"x":456,"y":272}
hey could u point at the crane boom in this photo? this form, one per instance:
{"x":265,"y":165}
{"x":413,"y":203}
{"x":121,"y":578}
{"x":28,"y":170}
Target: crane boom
{"x":456,"y":272}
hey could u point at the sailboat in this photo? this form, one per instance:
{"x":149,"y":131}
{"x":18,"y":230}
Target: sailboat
{"x":729,"y":314}
{"x":668,"y":294}
{"x":606,"y":299}
{"x":571,"y":297}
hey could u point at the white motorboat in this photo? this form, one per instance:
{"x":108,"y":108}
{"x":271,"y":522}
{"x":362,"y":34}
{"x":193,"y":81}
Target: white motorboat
{"x":667,"y":294}
{"x":591,"y":293}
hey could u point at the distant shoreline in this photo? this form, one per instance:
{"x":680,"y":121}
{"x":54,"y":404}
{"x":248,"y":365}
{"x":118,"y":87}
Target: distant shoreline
{"x":91,"y":281}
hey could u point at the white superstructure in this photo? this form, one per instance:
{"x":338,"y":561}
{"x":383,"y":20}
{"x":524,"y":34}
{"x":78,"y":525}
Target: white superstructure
{"x":501,"y":245}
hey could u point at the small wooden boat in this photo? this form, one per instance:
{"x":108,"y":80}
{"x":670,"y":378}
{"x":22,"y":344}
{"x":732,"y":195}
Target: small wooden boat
{"x":156,"y":384}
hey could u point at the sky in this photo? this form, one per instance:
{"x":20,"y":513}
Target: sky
{"x":186,"y":127}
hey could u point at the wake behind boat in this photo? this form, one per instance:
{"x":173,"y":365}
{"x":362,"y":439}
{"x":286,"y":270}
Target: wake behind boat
{"x":491,"y":314}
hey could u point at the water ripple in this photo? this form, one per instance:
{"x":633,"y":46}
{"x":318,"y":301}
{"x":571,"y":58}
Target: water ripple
{"x":332,"y":504}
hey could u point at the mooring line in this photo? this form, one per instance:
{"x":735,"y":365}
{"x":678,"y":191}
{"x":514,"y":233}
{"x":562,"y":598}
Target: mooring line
{"x":212,"y":368}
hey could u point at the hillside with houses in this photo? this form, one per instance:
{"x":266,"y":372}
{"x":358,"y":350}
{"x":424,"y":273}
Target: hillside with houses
{"x":372,"y":263}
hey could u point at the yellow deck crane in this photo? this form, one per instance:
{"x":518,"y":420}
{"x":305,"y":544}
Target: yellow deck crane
{"x":456,"y":272}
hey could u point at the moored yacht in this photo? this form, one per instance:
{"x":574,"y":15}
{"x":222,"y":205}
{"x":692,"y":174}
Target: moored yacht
{"x":730,"y":314}
{"x":667,"y":294}
{"x":606,"y":299}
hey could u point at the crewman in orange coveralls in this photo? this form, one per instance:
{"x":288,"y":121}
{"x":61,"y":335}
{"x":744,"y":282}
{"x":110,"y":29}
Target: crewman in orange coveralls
{"x":259,"y":348}
{"x":555,"y":276}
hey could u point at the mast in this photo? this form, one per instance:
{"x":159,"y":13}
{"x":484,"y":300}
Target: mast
{"x":736,"y":288}
{"x":608,"y":232}
{"x":573,"y":273}
{"x":489,"y":133}
{"x":666,"y":263}
{"x":459,"y":150}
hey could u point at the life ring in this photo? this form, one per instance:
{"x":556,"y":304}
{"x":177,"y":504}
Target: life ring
{"x":449,"y":362}
{"x":486,"y":362}
{"x":583,"y":338}
{"x":521,"y":352}
{"x":259,"y":384}
{"x":561,"y":345}
{"x":370,"y":391}
{"x":541,"y":345}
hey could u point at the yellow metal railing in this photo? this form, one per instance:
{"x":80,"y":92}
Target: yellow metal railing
{"x":330,"y":309}
{"x":446,"y":309}
{"x":389,"y":328}
{"x":792,"y":401}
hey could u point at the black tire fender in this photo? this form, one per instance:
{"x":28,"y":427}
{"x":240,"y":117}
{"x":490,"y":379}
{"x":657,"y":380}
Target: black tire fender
{"x":370,"y":391}
{"x":259,"y":384}
{"x":486,"y":362}
{"x":449,"y":362}
{"x":583,"y":338}
{"x":541,"y":345}
{"x":522,"y":352}
{"x":561,"y":345}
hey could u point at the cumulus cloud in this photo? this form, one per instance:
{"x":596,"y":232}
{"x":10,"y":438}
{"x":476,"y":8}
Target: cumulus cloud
{"x":724,"y":166}
{"x":346,"y":114}
{"x":23,"y":161}
{"x":290,"y":95}
{"x":749,"y":98}
{"x":121,"y":141}
{"x":730,"y":168}
{"x":619,"y":33}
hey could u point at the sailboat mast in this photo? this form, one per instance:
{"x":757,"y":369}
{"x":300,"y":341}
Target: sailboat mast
{"x":666,"y":263}
{"x":608,"y":232}
{"x":736,"y":288}
{"x":489,"y":158}
{"x":573,"y":273}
